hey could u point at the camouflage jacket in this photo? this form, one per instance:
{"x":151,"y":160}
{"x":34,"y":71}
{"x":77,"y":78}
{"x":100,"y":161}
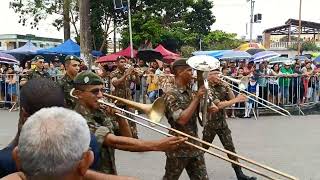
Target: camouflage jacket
{"x":37,"y":74}
{"x":176,"y":101}
{"x":123,"y":89}
{"x":218,"y":93}
{"x":101,"y":125}
{"x":66,"y":83}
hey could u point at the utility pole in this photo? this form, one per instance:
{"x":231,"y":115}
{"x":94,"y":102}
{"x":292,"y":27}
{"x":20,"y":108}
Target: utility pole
{"x":251,"y":18}
{"x":85,"y":32}
{"x":130,"y":30}
{"x":114,"y":35}
{"x":299,"y":35}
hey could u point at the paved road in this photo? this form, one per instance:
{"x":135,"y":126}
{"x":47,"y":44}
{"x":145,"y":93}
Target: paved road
{"x":287,"y":144}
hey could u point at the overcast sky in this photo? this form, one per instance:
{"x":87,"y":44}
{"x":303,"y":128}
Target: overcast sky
{"x":232,"y":16}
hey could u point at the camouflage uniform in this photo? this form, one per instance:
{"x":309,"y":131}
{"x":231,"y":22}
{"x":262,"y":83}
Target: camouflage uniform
{"x":66,"y":83}
{"x":185,"y":157}
{"x":123,"y":91}
{"x":38,"y":74}
{"x":101,"y":125}
{"x":217,"y":124}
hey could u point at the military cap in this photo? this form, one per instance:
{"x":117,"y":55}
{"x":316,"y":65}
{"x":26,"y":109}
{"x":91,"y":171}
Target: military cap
{"x":38,"y":57}
{"x":87,"y":78}
{"x":71,"y":57}
{"x":180,"y":62}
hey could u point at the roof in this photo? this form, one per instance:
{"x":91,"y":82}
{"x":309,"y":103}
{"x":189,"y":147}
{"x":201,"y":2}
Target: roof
{"x":292,"y":25}
{"x":28,"y":37}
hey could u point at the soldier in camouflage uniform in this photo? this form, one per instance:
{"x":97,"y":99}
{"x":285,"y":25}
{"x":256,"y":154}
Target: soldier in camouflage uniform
{"x":88,"y":89}
{"x":120,"y":80}
{"x":38,"y":71}
{"x":72,"y":65}
{"x":222,"y":96}
{"x":181,"y":112}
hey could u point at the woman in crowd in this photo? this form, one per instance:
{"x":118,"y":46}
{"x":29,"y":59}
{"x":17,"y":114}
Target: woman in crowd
{"x":274,"y":72}
{"x":11,"y":81}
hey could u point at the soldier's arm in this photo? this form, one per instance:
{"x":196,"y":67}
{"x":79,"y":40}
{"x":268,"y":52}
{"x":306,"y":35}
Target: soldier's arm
{"x":137,"y":145}
{"x":92,"y":175}
{"x":181,"y":116}
{"x":116,"y":82}
{"x":124,"y":128}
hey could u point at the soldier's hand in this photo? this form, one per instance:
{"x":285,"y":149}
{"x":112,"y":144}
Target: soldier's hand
{"x":241,"y":98}
{"x":213,"y":108}
{"x":129,"y":71}
{"x":202,"y":90}
{"x":170,"y":143}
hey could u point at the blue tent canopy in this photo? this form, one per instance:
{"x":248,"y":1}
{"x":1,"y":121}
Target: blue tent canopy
{"x":69,"y":47}
{"x":27,"y":49}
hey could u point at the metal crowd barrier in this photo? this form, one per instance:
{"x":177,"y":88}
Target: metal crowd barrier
{"x":10,"y":91}
{"x":288,"y":92}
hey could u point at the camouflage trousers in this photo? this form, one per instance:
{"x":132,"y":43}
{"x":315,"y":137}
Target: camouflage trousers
{"x":195,"y":167}
{"x":225,"y":137}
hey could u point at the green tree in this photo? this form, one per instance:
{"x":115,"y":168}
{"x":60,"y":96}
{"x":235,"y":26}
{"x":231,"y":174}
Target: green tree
{"x":305,"y":46}
{"x":32,"y":12}
{"x":200,"y":19}
{"x":218,"y":40}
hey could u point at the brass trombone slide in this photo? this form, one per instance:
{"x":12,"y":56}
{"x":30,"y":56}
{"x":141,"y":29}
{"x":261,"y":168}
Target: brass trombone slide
{"x":253,"y":96}
{"x":194,"y":138}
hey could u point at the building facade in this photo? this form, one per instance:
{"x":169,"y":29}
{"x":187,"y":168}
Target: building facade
{"x":13,"y":41}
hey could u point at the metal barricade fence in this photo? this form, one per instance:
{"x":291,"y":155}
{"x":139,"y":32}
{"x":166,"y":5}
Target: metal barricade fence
{"x":10,"y":91}
{"x":288,"y":92}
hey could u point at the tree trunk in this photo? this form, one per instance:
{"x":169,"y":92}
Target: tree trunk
{"x":66,"y":19}
{"x":85,"y":32}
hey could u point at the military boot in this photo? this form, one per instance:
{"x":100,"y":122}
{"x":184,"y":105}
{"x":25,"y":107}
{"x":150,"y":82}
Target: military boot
{"x":241,"y":176}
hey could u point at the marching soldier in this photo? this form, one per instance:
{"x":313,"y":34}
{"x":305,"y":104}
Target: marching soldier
{"x":88,"y":89}
{"x":181,"y":112}
{"x":38,"y":71}
{"x":222,"y":96}
{"x":120,"y":80}
{"x":72,"y":65}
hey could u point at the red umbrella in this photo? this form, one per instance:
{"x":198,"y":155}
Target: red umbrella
{"x":108,"y":58}
{"x":127,"y":52}
{"x":164,"y":52}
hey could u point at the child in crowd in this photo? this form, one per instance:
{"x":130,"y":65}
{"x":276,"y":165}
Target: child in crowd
{"x":253,"y":88}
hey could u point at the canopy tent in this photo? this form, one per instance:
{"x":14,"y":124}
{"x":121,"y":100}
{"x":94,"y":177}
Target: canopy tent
{"x":69,"y":47}
{"x":107,"y":58}
{"x":127,"y":52}
{"x":164,"y":51}
{"x":26,"y":49}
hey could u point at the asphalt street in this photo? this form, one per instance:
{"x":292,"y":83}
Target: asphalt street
{"x":290,"y":145}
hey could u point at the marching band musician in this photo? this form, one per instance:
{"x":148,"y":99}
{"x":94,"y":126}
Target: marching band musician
{"x":222,"y":96}
{"x":88,"y":89}
{"x":181,"y":112}
{"x":72,"y":64}
{"x":120,"y":80}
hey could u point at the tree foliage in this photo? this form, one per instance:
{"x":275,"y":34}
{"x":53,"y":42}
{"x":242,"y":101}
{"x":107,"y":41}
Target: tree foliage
{"x":217,"y":40}
{"x":305,"y":46}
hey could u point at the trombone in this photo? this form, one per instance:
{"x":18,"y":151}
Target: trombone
{"x":243,"y":84}
{"x":156,"y":112}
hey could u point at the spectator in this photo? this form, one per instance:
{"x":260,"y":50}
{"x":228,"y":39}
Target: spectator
{"x":152,"y":81}
{"x":284,"y":81}
{"x":54,"y":144}
{"x":253,"y":88}
{"x":296,"y":85}
{"x":249,"y":69}
{"x":11,"y":81}
{"x":261,"y":74}
{"x":308,"y":81}
{"x":274,"y":72}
